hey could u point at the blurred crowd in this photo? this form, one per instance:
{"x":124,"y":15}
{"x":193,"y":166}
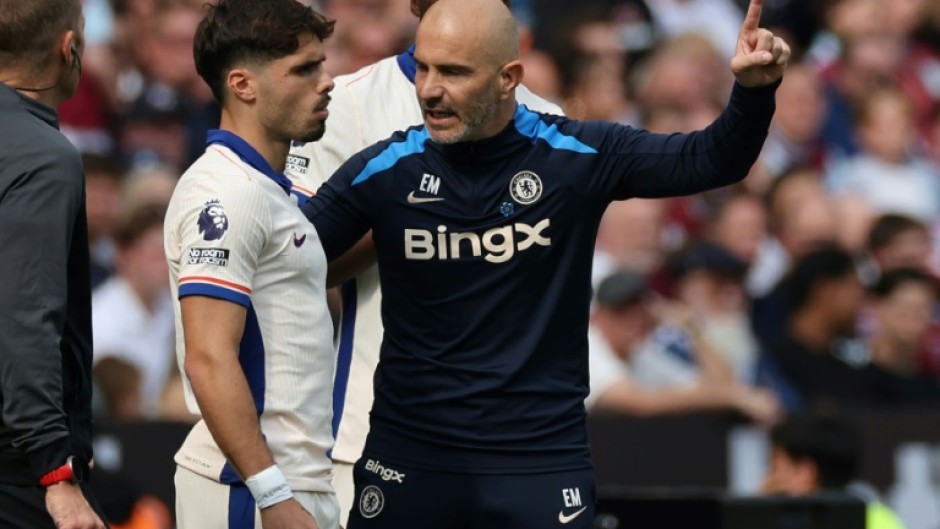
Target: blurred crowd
{"x":811,"y":285}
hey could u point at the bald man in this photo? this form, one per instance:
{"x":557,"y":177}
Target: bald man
{"x":484,"y":220}
{"x":368,"y":106}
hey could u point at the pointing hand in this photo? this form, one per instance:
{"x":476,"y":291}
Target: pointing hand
{"x":760,"y":56}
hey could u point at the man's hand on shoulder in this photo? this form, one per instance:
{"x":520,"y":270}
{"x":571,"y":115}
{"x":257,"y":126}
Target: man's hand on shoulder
{"x":760,"y":57}
{"x":69,"y":509}
{"x":288,"y":514}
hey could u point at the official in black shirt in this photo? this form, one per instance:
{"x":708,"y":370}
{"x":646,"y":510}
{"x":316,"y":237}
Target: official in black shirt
{"x":45,"y":293}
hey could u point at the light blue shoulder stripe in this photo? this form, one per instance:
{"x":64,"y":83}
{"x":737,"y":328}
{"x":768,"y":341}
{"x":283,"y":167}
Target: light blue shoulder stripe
{"x":412,"y":144}
{"x":529,"y":124}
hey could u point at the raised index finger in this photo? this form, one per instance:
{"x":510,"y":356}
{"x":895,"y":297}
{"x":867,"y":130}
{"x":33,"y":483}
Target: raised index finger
{"x":752,"y":19}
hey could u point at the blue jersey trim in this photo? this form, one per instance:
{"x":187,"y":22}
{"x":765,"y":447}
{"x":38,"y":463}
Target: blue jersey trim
{"x":241,"y":508}
{"x":344,"y":355}
{"x":300,"y":196}
{"x":529,"y":124}
{"x":413,"y":144}
{"x":406,"y":62}
{"x":249,"y":155}
{"x":251,"y":359}
{"x":214,"y":291}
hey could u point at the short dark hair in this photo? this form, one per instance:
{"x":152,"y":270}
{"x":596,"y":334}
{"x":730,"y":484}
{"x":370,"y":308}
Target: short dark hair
{"x":29,"y":28}
{"x":708,"y":257}
{"x":132,"y":226}
{"x":621,"y":289}
{"x":237,"y":31}
{"x":775,"y":187}
{"x":97,"y":165}
{"x":887,"y":227}
{"x":824,"y":264}
{"x":736,"y":195}
{"x":891,"y":280}
{"x":831,"y":442}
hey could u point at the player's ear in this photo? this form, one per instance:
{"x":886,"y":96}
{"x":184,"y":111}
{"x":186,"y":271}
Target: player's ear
{"x":510,"y":77}
{"x":242,"y":84}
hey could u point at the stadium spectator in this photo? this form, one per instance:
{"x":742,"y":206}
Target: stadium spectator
{"x":633,"y":376}
{"x":153,"y":131}
{"x":904,"y":340}
{"x":632,"y":235}
{"x":146,"y":187}
{"x":813,"y":454}
{"x":801,"y":218}
{"x":888,"y":174}
{"x":132,"y":312}
{"x":593,"y":70}
{"x":793,"y":141}
{"x":843,"y":21}
{"x":899,"y":242}
{"x":709,"y":281}
{"x":739,"y":224}
{"x":684,"y":73}
{"x":716,"y":19}
{"x":905,"y":300}
{"x":816,"y":360}
{"x":102,"y":198}
{"x":119,"y":383}
{"x":896,"y":241}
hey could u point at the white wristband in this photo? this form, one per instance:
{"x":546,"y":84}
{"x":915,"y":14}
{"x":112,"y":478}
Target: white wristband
{"x":269,"y":487}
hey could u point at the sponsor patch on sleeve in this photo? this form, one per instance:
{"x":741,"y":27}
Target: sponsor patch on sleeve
{"x":208,"y":256}
{"x":297,"y":164}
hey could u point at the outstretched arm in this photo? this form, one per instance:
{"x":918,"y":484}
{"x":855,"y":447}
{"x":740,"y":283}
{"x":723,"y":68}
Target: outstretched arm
{"x":646,"y":165}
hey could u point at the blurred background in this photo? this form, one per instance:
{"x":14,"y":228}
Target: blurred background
{"x":809,"y":290}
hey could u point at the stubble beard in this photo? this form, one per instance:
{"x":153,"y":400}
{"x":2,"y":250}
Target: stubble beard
{"x":314,"y":133}
{"x":480,"y":112}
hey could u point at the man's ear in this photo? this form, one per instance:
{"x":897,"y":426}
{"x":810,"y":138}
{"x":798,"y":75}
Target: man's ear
{"x":67,"y":48}
{"x":242,"y":84}
{"x":510,"y":77}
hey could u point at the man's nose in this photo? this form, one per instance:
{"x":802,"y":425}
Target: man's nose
{"x":430,"y":87}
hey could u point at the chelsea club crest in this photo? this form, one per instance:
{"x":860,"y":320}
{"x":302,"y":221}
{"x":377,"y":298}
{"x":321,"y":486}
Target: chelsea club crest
{"x":371,"y":502}
{"x":525,"y":187}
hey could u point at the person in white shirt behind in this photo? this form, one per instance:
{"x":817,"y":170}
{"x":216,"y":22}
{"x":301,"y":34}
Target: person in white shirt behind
{"x":368,"y":106}
{"x":253,"y":330}
{"x":624,"y":315}
{"x":132,"y":312}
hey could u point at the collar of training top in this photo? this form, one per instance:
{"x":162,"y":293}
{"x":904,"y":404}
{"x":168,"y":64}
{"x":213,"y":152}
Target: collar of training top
{"x":249,"y":155}
{"x":406,"y":61}
{"x":9,"y":96}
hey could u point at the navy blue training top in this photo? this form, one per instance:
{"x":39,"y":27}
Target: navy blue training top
{"x":484,"y":252}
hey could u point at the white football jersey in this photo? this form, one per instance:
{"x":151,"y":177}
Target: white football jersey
{"x":234,"y":232}
{"x":368,"y":106}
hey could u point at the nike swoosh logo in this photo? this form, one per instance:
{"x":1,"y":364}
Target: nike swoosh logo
{"x":412,"y":199}
{"x":567,"y":518}
{"x":299,"y":242}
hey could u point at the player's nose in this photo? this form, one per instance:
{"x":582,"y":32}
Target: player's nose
{"x":327,"y":83}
